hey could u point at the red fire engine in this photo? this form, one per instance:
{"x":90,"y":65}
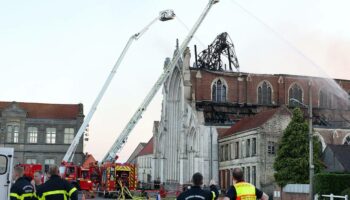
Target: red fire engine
{"x":30,"y":169}
{"x":76,"y":175}
{"x":114,"y":173}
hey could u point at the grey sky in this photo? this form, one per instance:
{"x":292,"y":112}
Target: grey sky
{"x":62,"y":51}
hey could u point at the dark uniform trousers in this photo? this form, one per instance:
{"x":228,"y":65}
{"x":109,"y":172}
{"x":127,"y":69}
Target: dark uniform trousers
{"x":57,"y":188}
{"x":22,"y":190}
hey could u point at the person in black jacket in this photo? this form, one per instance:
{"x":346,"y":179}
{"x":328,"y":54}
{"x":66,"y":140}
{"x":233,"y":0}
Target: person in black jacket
{"x":214,"y":189}
{"x":56,"y":188}
{"x":196,"y":192}
{"x":21,"y":189}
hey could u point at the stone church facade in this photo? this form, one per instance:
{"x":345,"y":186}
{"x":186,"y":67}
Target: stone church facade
{"x":183,"y":144}
{"x":200,"y":104}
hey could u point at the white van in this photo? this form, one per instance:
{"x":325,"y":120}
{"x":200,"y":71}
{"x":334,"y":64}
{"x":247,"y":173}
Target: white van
{"x":6,"y":160}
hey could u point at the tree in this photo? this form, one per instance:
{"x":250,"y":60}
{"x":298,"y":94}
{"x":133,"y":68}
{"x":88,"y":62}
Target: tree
{"x":292,"y":161}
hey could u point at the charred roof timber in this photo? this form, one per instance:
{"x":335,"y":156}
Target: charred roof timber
{"x":211,"y":58}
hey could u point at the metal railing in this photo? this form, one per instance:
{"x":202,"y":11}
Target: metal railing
{"x":331,"y":197}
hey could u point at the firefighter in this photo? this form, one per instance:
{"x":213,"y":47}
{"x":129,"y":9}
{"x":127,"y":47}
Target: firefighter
{"x":56,"y":188}
{"x":196,"y":192}
{"x":242,"y":190}
{"x":214,"y":189}
{"x":37,"y":180}
{"x":21,"y":189}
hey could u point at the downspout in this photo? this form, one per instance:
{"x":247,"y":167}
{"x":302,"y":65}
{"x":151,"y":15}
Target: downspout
{"x":211,"y":155}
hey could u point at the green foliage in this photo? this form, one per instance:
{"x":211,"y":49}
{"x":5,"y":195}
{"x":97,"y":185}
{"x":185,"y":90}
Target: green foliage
{"x":327,"y":183}
{"x":292,"y":161}
{"x":346,"y":192}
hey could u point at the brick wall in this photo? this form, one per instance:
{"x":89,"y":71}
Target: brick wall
{"x":242,"y":87}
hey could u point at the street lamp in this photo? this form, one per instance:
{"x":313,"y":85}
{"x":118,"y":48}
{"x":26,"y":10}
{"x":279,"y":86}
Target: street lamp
{"x":311,"y":146}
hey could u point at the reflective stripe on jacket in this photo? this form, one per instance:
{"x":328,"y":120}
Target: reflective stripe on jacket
{"x":213,"y":194}
{"x":57,"y":189}
{"x":245,"y":191}
{"x":22,"y":197}
{"x":22,"y":190}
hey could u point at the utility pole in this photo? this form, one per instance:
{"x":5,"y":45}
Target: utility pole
{"x":211,"y":155}
{"x":311,"y":146}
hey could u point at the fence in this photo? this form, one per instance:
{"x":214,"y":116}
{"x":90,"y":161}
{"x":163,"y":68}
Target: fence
{"x":332,"y":197}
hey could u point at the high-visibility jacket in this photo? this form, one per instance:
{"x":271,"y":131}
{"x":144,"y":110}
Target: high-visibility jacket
{"x":22,"y":190}
{"x":57,"y":188}
{"x":245,"y":191}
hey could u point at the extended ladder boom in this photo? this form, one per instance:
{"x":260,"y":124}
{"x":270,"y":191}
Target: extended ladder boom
{"x":122,"y":138}
{"x":68,"y":157}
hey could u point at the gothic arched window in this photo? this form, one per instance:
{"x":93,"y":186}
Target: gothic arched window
{"x":264,"y":94}
{"x":219,"y":91}
{"x":347,"y":140}
{"x":325,"y":99}
{"x":295,"y":92}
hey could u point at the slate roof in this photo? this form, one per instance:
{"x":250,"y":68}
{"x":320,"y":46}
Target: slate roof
{"x":252,"y":122}
{"x":148,"y":149}
{"x":342,"y":153}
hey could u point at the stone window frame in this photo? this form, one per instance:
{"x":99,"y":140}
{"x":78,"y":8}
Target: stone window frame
{"x":254,"y":173}
{"x":68,"y":137}
{"x":302,"y":92}
{"x":47,"y":165}
{"x":237,"y":151}
{"x":224,"y":83}
{"x":53,"y":138}
{"x":247,"y":147}
{"x":31,"y":137}
{"x":50,"y":163}
{"x":221,"y":152}
{"x":248,"y":174}
{"x":232,"y":148}
{"x":11,"y":137}
{"x":271,"y":148}
{"x":254,"y":146}
{"x":227,"y":152}
{"x":269,"y":85}
{"x":329,"y":98}
{"x":31,"y":161}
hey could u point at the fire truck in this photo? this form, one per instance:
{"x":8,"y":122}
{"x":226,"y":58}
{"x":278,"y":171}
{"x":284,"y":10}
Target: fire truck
{"x":116,"y":175}
{"x":30,"y":169}
{"x":77,"y":176}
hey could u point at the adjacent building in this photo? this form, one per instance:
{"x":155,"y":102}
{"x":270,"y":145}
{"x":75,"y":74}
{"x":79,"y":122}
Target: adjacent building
{"x":40,"y":132}
{"x":144,"y":163}
{"x":251,"y":144}
{"x":133,"y":157}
